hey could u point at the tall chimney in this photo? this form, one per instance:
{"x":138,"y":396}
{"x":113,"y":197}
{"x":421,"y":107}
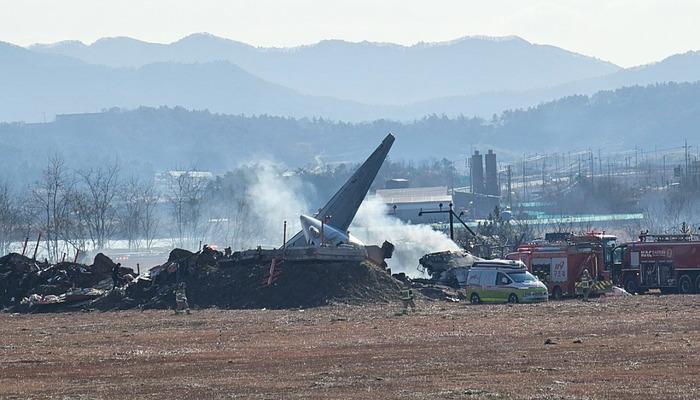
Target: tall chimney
{"x":477,"y":173}
{"x":491,"y":185}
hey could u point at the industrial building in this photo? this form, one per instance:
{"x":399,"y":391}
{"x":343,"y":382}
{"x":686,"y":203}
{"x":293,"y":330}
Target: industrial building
{"x":406,"y":204}
{"x":473,"y":202}
{"x":474,"y":205}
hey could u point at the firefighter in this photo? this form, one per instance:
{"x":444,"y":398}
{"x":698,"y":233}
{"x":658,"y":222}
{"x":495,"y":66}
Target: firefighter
{"x":181,"y":299}
{"x":115,"y":276}
{"x":586,"y":284}
{"x":407,"y":300}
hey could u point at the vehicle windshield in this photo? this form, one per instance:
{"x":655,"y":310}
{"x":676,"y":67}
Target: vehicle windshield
{"x":617,"y":255}
{"x":522,"y":277}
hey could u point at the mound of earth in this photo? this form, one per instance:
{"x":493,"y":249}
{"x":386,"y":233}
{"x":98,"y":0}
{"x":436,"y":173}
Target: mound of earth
{"x":297,"y":285}
{"x":213,"y":280}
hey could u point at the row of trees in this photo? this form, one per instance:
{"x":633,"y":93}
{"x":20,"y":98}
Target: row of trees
{"x":87,"y":209}
{"x":77,"y":210}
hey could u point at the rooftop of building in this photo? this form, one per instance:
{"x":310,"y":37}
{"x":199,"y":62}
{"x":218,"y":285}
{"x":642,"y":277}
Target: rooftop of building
{"x":430,"y":194}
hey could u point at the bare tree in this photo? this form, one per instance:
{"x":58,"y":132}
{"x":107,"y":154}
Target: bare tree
{"x":131,"y":212}
{"x":9,"y":218}
{"x":234,"y":223}
{"x":185,"y":194}
{"x":96,"y":202}
{"x":52,"y":197}
{"x":149,"y":213}
{"x":27,"y":217}
{"x":74,"y":231}
{"x":139,"y":212}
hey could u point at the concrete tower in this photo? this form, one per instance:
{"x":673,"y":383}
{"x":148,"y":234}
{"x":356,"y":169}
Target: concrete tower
{"x":491,"y":186}
{"x":477,"y":165}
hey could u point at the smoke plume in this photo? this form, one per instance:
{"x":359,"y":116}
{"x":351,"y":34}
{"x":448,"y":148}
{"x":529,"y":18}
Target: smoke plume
{"x":274,"y":198}
{"x":373,"y":226}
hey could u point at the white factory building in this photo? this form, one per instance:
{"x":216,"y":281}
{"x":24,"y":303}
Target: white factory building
{"x":406,"y":203}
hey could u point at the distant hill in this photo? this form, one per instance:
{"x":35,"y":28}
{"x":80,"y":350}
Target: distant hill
{"x":197,"y":73}
{"x":37,"y":86}
{"x":366,"y":72}
{"x":147,"y":140}
{"x":677,"y":68}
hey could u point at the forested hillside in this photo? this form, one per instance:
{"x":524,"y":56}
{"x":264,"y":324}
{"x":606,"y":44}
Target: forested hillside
{"x":153,"y":139}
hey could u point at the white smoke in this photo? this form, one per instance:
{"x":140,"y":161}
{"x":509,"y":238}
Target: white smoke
{"x":273,"y":199}
{"x":373,"y":226}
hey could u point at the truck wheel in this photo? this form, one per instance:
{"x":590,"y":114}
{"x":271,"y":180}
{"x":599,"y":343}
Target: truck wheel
{"x":685,"y":285}
{"x":512,"y":298}
{"x":475,"y":298}
{"x":556,"y":293}
{"x":631,"y":285}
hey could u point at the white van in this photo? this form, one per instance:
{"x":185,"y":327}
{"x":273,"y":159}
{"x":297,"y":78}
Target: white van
{"x":502,"y":281}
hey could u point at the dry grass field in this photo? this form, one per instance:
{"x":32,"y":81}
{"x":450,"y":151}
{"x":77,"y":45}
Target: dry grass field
{"x":626,"y":348}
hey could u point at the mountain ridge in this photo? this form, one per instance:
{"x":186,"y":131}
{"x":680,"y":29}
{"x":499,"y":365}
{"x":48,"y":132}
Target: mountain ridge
{"x":365,"y":72}
{"x":96,"y":82}
{"x":34,"y":88}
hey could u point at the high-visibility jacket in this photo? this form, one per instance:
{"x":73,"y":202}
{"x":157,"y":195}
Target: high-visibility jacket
{"x":407,"y":294}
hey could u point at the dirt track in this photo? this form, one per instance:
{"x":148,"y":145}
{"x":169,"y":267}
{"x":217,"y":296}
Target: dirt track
{"x":634,"y":348}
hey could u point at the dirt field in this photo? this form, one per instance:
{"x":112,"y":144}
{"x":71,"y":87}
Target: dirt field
{"x":634,"y":348}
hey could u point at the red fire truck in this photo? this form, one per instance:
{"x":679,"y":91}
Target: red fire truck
{"x":667,"y":262}
{"x":560,"y":259}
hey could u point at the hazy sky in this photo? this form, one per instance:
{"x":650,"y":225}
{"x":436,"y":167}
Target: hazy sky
{"x":626,"y":32}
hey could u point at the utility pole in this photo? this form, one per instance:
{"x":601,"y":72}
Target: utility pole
{"x":590,"y":155}
{"x":579,"y":165}
{"x":686,"y":157}
{"x":556,"y":169}
{"x":284,"y":236}
{"x":524,"y":182}
{"x":452,"y":226}
{"x":510,"y":196}
{"x":663,"y":172}
{"x":544,"y":162}
{"x":452,"y":217}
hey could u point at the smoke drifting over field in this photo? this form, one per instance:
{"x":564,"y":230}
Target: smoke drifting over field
{"x":373,"y":226}
{"x":274,"y":199}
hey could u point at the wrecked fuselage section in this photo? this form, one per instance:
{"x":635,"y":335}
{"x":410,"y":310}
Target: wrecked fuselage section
{"x":448,"y":268}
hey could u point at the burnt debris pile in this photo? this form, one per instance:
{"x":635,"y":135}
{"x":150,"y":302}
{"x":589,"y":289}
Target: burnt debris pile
{"x":27,"y":284}
{"x":212,"y":279}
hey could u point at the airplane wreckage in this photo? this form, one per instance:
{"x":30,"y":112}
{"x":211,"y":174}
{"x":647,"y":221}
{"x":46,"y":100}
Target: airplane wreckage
{"x":324,"y":236}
